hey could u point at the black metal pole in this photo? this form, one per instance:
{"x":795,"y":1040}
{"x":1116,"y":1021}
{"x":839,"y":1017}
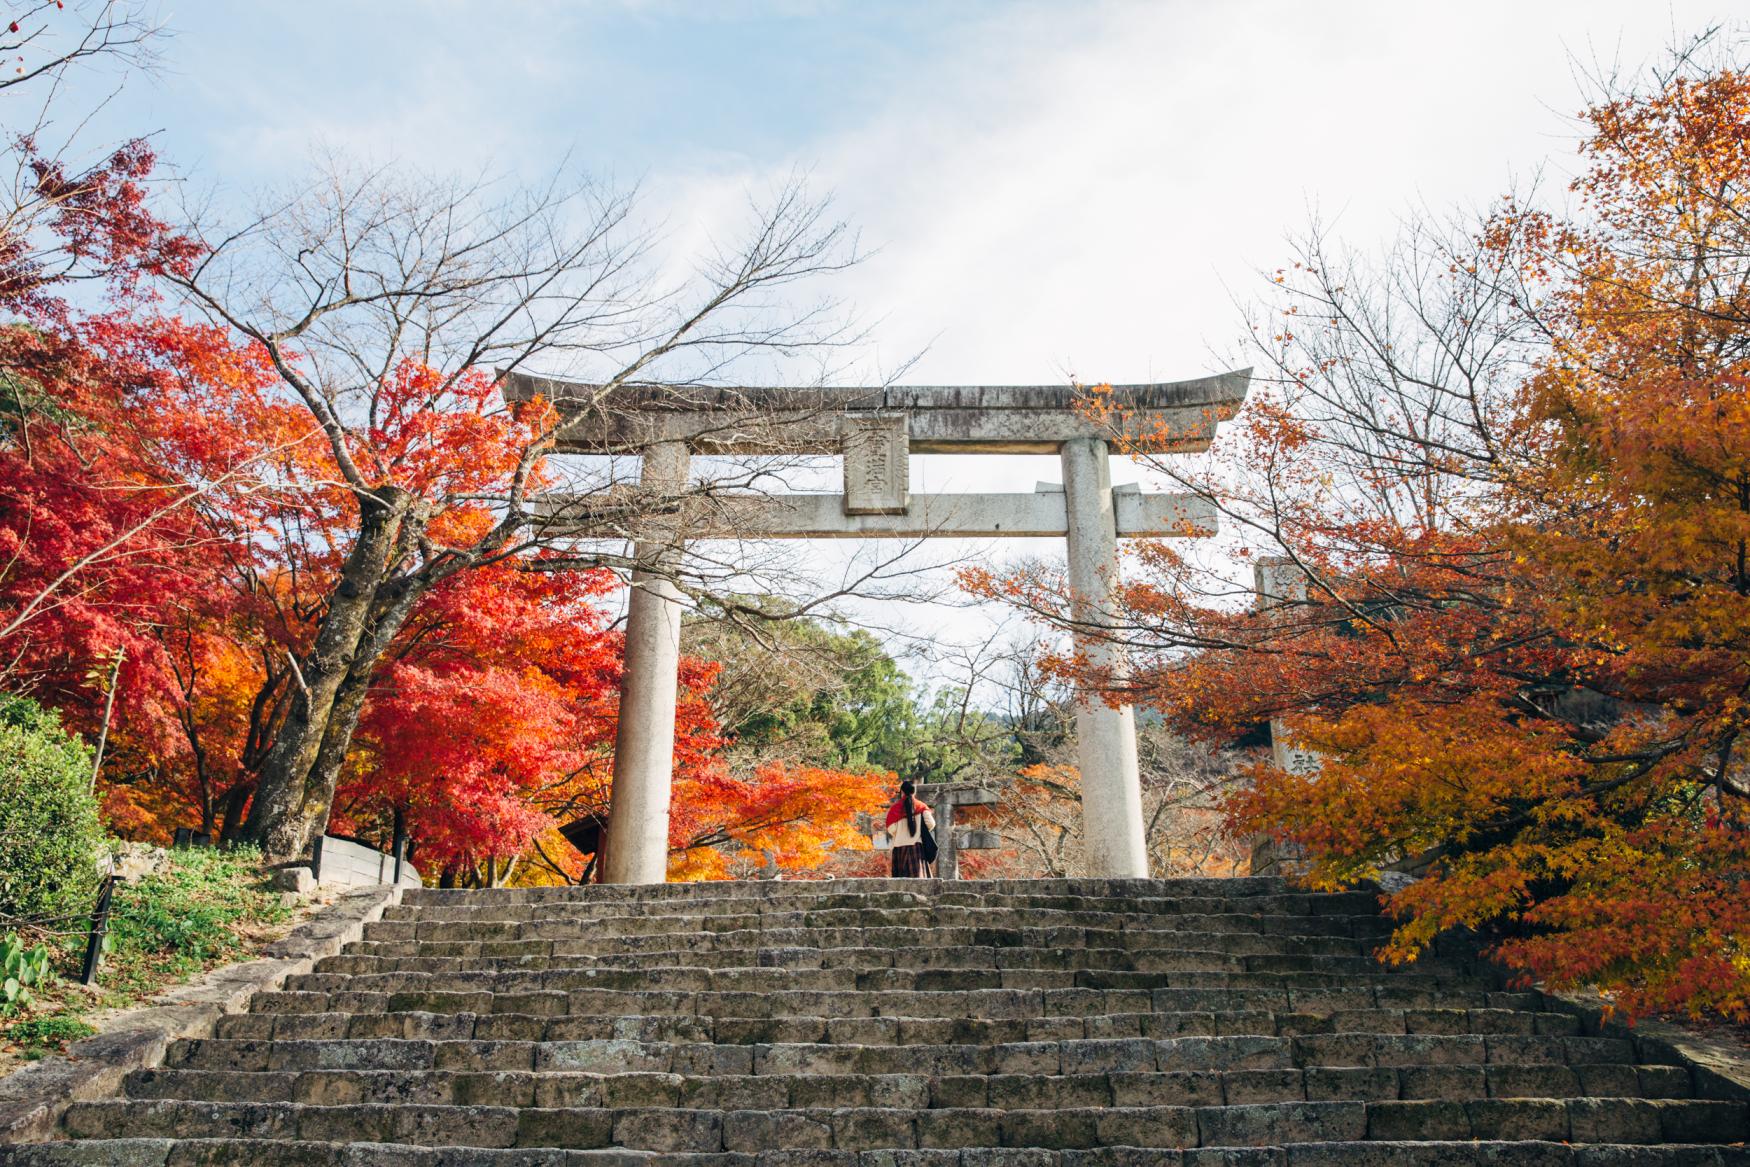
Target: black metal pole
{"x":399,"y":846}
{"x":99,"y":929}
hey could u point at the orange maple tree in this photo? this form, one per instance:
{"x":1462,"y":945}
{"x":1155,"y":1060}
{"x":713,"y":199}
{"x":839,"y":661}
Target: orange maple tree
{"x":1503,"y":489}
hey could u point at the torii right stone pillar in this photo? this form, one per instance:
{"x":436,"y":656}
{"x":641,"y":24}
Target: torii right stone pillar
{"x":637,"y":846}
{"x":1112,"y":828}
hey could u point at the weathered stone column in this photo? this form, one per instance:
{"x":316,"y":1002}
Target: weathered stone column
{"x":1280,"y":583}
{"x":637,"y":846}
{"x":1112,"y":826}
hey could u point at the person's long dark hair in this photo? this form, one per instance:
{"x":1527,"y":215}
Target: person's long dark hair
{"x":906,"y":789}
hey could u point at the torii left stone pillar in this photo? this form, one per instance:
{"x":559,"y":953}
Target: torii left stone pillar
{"x":1114,"y":840}
{"x":644,"y":737}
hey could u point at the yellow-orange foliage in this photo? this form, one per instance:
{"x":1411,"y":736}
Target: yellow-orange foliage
{"x":1524,"y":659}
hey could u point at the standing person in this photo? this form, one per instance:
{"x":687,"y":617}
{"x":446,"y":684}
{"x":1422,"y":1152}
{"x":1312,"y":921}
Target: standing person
{"x":906,"y":820}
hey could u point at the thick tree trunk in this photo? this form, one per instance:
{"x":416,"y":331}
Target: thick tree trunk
{"x":235,"y":801}
{"x":297,"y":781}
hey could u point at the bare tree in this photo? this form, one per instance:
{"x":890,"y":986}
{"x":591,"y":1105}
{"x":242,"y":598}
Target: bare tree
{"x":46,"y":39}
{"x":1377,"y":417}
{"x":370,"y":270}
{"x":41,"y":47}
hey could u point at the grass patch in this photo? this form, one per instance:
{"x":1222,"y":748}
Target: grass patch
{"x":46,"y":1035}
{"x":208,"y":908}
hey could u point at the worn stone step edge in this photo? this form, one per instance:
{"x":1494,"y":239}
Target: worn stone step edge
{"x":1049,"y":1057}
{"x":572,"y":933}
{"x":642,"y":923}
{"x":849,"y":980}
{"x":484,"y":906}
{"x":702,"y":978}
{"x":1002,"y":1003}
{"x":592,"y":1003}
{"x":768,"y":889}
{"x":208,"y":1152}
{"x":1231,"y":1022}
{"x":918,"y":1091}
{"x":1584,"y":1120}
{"x":1432,"y":977}
{"x":805,"y":894}
{"x":33,"y":1099}
{"x":512,"y":939}
{"x":490,"y":953}
{"x":1296,"y":906}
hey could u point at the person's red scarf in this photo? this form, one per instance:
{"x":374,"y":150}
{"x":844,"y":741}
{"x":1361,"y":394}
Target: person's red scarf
{"x":897,"y":811}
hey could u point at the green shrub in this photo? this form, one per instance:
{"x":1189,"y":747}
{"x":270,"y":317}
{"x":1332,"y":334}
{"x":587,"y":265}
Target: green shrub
{"x":192,"y":915}
{"x":50,"y":836}
{"x":21,"y":970}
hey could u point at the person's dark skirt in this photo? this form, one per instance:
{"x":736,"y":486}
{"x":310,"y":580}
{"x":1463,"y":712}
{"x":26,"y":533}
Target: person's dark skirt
{"x":907,"y":862}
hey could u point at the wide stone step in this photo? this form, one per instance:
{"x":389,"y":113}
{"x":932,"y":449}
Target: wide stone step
{"x":655,"y":936}
{"x":564,"y":975}
{"x":915,"y":1091}
{"x":566,"y":925}
{"x":1031,"y":890}
{"x":991,"y":1003}
{"x":1047,"y":944}
{"x":290,"y":1153}
{"x":835,"y":912}
{"x":1063,"y":1002}
{"x":592,"y":907}
{"x":1614,"y":1120}
{"x":731,"y":899}
{"x":1116,"y":1055}
{"x":1229,"y":1021}
{"x":936,"y":909}
{"x":414,"y":955}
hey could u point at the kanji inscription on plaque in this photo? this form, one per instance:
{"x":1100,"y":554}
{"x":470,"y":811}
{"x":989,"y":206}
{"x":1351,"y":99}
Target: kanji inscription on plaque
{"x":877,"y":470}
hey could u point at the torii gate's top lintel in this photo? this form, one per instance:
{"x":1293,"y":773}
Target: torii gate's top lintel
{"x":1179,"y":416}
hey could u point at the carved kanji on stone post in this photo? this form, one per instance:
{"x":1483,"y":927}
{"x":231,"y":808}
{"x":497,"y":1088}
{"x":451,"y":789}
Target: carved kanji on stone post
{"x":876,"y":430}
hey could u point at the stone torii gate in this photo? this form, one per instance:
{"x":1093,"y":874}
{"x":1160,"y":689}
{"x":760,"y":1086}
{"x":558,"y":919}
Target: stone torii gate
{"x":875,"y":430}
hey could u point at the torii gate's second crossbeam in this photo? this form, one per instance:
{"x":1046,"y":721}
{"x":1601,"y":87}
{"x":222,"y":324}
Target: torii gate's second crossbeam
{"x":876,"y":430}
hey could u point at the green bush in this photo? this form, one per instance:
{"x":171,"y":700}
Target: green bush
{"x":50,"y":836}
{"x":21,"y":970}
{"x":196,"y":913}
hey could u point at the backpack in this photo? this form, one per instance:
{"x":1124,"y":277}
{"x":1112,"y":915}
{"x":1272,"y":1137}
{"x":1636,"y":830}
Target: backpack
{"x":926,"y":842}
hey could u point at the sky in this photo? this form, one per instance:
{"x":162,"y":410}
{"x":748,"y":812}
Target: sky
{"x":1049,"y":190}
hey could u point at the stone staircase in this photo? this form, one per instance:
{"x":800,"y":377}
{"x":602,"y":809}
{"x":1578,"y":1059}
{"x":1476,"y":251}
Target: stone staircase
{"x":885,"y":1023}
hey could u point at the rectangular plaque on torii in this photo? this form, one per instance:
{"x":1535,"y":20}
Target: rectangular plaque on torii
{"x":877,"y":458}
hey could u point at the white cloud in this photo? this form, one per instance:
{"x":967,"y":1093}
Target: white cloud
{"x":1059,"y":187}
{"x":1084,"y":188}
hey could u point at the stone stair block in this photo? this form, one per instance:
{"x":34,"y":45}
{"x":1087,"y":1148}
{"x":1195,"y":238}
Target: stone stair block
{"x":893,"y":1023}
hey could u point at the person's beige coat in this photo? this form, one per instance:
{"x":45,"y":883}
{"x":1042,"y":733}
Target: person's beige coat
{"x":899,"y":836}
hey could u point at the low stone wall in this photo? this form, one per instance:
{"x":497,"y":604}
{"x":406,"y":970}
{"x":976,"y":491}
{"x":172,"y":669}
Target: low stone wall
{"x":349,"y":864}
{"x":32,"y":1100}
